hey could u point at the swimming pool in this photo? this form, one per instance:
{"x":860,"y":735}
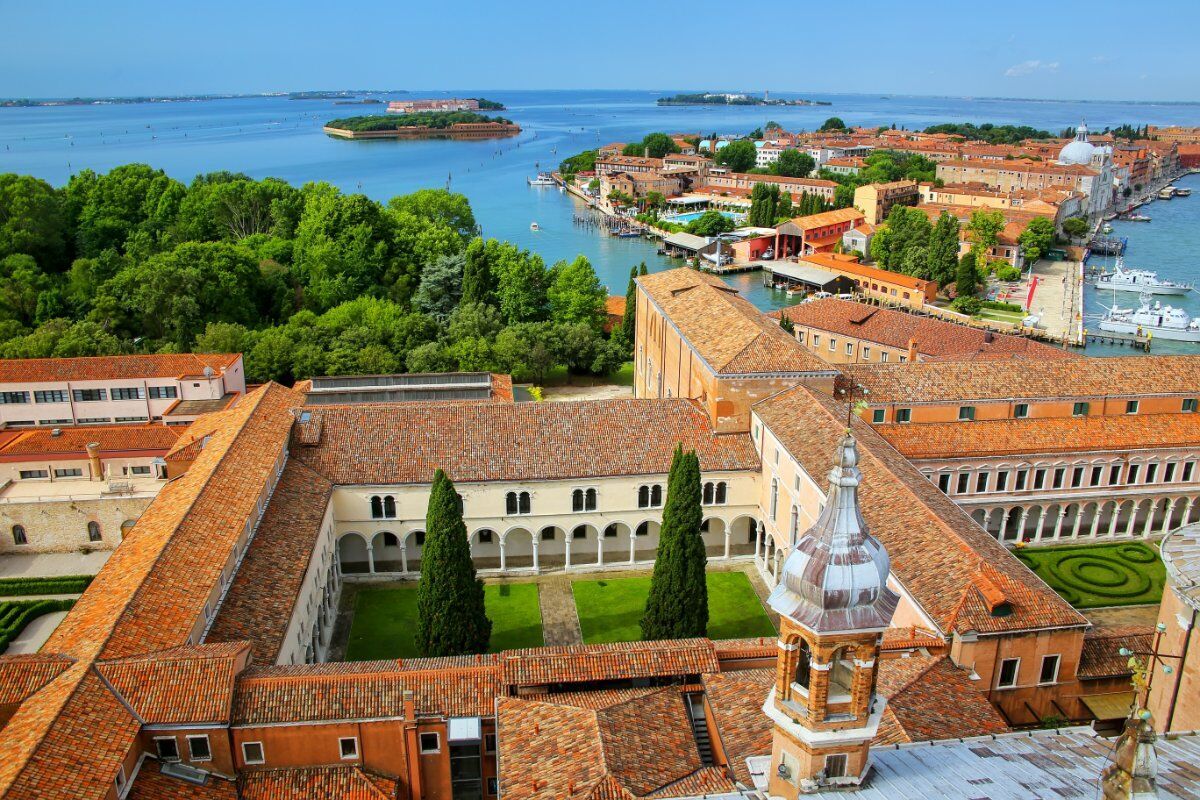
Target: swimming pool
{"x":685,"y":218}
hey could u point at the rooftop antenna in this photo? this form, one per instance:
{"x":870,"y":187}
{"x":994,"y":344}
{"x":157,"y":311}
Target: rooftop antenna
{"x":852,"y":393}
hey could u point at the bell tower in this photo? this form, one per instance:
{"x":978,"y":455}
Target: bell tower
{"x":834,"y":604}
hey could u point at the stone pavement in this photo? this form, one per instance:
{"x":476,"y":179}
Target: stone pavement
{"x":1122,"y":615}
{"x":560,"y":622}
{"x":35,"y":634}
{"x":44,"y":565}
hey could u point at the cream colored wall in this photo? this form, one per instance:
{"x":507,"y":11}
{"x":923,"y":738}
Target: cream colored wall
{"x":312,"y":601}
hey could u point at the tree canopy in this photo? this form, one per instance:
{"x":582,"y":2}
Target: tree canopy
{"x":654,"y":145}
{"x":739,"y":156}
{"x":793,"y":164}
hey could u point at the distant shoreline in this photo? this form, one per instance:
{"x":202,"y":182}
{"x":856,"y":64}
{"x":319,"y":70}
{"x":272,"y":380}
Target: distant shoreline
{"x":187,"y":98}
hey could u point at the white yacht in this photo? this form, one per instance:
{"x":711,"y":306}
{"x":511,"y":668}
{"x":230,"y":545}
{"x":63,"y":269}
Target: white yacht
{"x":1163,"y":322}
{"x":1142,"y":281}
{"x":542,"y":179}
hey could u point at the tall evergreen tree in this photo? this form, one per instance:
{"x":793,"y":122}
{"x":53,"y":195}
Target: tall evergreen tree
{"x":478,"y":285}
{"x":451,"y":619}
{"x":943,"y":249}
{"x":967,"y":278}
{"x":785,"y":322}
{"x":642,"y":270}
{"x":677,"y":607}
{"x":629,"y":320}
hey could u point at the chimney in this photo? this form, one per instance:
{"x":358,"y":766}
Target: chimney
{"x":988,"y":336}
{"x":912,"y":351}
{"x":93,"y":451}
{"x":646,"y":151}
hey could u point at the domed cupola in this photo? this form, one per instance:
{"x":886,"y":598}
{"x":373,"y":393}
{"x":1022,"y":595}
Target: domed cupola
{"x":836,"y":577}
{"x":1079,"y":151}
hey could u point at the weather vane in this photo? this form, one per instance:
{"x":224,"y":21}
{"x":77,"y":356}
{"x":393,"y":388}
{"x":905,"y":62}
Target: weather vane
{"x":852,"y":393}
{"x":1142,"y":664}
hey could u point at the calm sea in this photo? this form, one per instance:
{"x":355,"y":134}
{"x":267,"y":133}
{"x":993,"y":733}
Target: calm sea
{"x":279,"y":137}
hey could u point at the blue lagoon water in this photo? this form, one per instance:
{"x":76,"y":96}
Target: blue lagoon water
{"x":280,"y":137}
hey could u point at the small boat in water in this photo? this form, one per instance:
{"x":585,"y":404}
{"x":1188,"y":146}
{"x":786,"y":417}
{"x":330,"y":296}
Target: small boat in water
{"x":1183,"y":192}
{"x":1166,"y":193}
{"x":533,"y":226}
{"x":542,"y":179}
{"x":1135,"y":218}
{"x":1162,"y":322}
{"x":1138,"y":280}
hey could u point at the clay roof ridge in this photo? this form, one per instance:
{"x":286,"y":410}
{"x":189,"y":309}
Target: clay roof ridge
{"x":933,"y":662}
{"x":95,"y":667}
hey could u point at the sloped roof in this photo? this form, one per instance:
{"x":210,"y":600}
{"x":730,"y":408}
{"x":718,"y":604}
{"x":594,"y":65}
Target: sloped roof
{"x":100,"y":368}
{"x":1101,"y":657}
{"x":725,"y":329}
{"x":939,"y":555}
{"x":307,"y":783}
{"x":152,"y":784}
{"x":184,"y":684}
{"x":23,"y":675}
{"x":593,"y":662}
{"x":74,"y":440}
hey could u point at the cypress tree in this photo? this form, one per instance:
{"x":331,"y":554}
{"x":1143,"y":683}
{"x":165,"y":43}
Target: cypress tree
{"x":967,"y":278}
{"x":642,"y":270}
{"x":629,"y":320}
{"x":786,"y":323}
{"x":677,"y":607}
{"x":451,"y":619}
{"x":477,"y":281}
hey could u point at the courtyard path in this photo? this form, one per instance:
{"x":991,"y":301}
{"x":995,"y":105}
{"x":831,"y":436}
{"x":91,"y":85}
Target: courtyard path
{"x":560,"y":621}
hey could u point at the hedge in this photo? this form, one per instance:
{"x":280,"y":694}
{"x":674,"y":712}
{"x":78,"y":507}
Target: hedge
{"x":16,"y":614}
{"x":997,"y":305}
{"x":59,"y":584}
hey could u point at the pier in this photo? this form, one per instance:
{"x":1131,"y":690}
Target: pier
{"x":1141,"y":342}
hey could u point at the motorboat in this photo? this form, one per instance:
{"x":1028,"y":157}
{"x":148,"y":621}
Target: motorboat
{"x":1107,"y":229}
{"x":1135,"y":218}
{"x":533,"y":226}
{"x":1138,"y":280}
{"x":1183,"y":192}
{"x":542,"y":179}
{"x":768,"y":254}
{"x":1166,"y":193}
{"x":1157,"y":320}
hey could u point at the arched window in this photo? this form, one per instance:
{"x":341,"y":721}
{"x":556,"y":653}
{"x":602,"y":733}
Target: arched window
{"x":419,"y":537}
{"x":580,"y":532}
{"x":523,"y":503}
{"x":709,"y":493}
{"x":389,"y":507}
{"x":803,"y":665}
{"x":610,"y":532}
{"x":390,"y":540}
{"x":548,"y":533}
{"x":841,"y":672}
{"x":751,"y":531}
{"x":643,"y":497}
{"x":485,"y":536}
{"x":577,"y":500}
{"x":643,"y":529}
{"x":795,"y":527}
{"x":510,"y":503}
{"x":656,"y":495}
{"x":376,"y":507}
{"x":774,"y":497}
{"x":18,"y":534}
{"x":720,"y":493}
{"x":589,"y":500}
{"x":93,"y":529}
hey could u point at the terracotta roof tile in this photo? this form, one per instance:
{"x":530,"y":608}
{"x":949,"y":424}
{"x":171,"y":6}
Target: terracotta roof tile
{"x":736,"y":700}
{"x":726,"y":331}
{"x":152,"y":784}
{"x":1043,"y":435}
{"x":939,"y":382}
{"x":260,"y":601}
{"x":593,"y":662}
{"x":931,"y":698}
{"x":1101,"y":657}
{"x":837,"y":263}
{"x":406,"y":443}
{"x":814,"y":221}
{"x":343,"y":783}
{"x":99,"y":368}
{"x":935,"y":339}
{"x":23,"y":675}
{"x":935,"y":548}
{"x":74,"y":440}
{"x":184,"y":684}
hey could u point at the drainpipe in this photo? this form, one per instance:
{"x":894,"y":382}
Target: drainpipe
{"x":93,"y":451}
{"x":1179,"y":672}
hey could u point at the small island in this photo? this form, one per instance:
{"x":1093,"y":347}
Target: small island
{"x":727,"y":99}
{"x":423,"y":125}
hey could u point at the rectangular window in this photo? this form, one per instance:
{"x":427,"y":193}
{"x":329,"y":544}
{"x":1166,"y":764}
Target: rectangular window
{"x":1080,"y":409}
{"x":68,"y":472}
{"x":431,"y":743}
{"x":1049,"y":673}
{"x":1022,"y":477}
{"x":50,"y":396}
{"x":1008,"y":673}
{"x":93,"y":420}
{"x":849,"y":348}
{"x":1039,"y":478}
{"x":1001,"y":480}
{"x":489,"y":743}
{"x":130,"y":419}
{"x":127,"y":393}
{"x":348,"y":747}
{"x":143,"y":470}
{"x":883,"y":357}
{"x":1114,"y":474}
{"x":1191,"y":404}
{"x":944,"y":482}
{"x":1151,"y":473}
{"x":816,"y":340}
{"x":199,"y":748}
{"x":1077,"y":477}
{"x":877,"y":415}
{"x":966,"y":413}
{"x":59,"y":421}
{"x":866,"y":353}
{"x":1188,"y":469}
{"x":1169,"y":472}
{"x":832,"y":344}
{"x":32,"y":474}
{"x":903,"y":415}
{"x":981,"y":481}
{"x":964,"y":479}
{"x":1021,"y":411}
{"x":1097,"y":474}
{"x":252,"y":753}
{"x":1059,"y":475}
{"x":800,"y":337}
{"x":11,"y":398}
{"x":1131,"y":407}
{"x":89,"y":395}
{"x":491,"y":786}
{"x":835,"y":765}
{"x":167,"y":748}
{"x":163,"y":392}
{"x":1131,"y":476}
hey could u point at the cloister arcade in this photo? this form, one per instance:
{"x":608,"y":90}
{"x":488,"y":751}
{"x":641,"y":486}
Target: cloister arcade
{"x":1096,"y":518}
{"x":533,"y":547}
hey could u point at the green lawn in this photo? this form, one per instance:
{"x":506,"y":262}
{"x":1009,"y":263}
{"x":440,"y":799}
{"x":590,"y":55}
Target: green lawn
{"x":1095,"y":575}
{"x":611,"y":610}
{"x":385,"y":620}
{"x":1014,"y":317}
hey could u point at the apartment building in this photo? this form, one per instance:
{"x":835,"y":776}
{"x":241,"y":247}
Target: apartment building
{"x":101,"y":390}
{"x":875,"y":200}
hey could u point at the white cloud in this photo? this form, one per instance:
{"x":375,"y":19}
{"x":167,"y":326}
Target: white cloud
{"x":1102,"y":59}
{"x":1030,"y":67}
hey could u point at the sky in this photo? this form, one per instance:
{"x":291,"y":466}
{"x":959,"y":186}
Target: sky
{"x":1053,"y":49}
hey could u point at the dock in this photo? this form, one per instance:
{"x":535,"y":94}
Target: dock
{"x":1121,"y":339}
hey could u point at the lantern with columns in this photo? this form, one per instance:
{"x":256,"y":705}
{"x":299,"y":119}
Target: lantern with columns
{"x":834,"y":604}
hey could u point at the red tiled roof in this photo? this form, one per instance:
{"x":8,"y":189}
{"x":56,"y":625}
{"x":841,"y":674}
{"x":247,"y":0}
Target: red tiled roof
{"x":1101,"y":657}
{"x":406,"y":443}
{"x":837,"y":263}
{"x":814,"y":221}
{"x":310,"y":783}
{"x":1120,"y":376}
{"x":111,"y":438}
{"x":100,"y":368}
{"x":736,"y":700}
{"x":936,"y":339}
{"x":183,"y":685}
{"x":931,"y":698}
{"x":724,"y":329}
{"x":152,"y":784}
{"x":1043,"y":435}
{"x":23,"y":675}
{"x":260,"y":601}
{"x":935,"y":548}
{"x":593,"y":662}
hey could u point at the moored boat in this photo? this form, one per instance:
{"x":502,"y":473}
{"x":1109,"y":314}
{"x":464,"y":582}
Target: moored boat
{"x":1157,"y":320}
{"x":1138,"y":280}
{"x":542,"y":179}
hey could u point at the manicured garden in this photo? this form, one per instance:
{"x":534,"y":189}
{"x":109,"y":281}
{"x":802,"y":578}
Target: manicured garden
{"x":1096,"y":575}
{"x":16,"y":614}
{"x":385,"y":620}
{"x":610,"y":610}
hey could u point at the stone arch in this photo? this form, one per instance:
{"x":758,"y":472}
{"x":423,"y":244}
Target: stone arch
{"x":980,"y":515}
{"x":712,"y":532}
{"x":414,"y":545}
{"x":552,"y":552}
{"x":385,"y":550}
{"x":644,"y":540}
{"x":352,"y":554}
{"x":516,"y":545}
{"x":485,"y":548}
{"x":584,"y":539}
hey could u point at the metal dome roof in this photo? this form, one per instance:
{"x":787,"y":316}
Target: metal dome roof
{"x":1079,"y":151}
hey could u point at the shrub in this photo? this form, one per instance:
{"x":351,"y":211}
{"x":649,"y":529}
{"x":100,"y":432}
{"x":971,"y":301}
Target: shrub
{"x":1008,"y":273}
{"x":16,"y":614}
{"x":966,"y":305}
{"x":997,"y":305}
{"x":64,"y":584}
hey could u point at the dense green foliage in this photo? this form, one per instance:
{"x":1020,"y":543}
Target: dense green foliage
{"x":984,"y":229}
{"x":793,"y":164}
{"x":711,"y":223}
{"x":1037,"y":238}
{"x":832,"y":124}
{"x":987,"y":132}
{"x":59,"y":584}
{"x":16,"y":614}
{"x":966,"y":282}
{"x":907,"y":242}
{"x":739,"y":156}
{"x":1076,"y":227}
{"x":1097,"y":575}
{"x":488,"y":105}
{"x":304,"y":281}
{"x":770,"y":206}
{"x":418,"y":119}
{"x":653,"y":145}
{"x":580,"y":162}
{"x":677,"y":607}
{"x":786,"y":323}
{"x":451,"y":616}
{"x":707,"y":99}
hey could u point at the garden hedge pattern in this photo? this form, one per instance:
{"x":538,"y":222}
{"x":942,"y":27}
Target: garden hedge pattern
{"x":1091,"y":576}
{"x":60,"y":584}
{"x":16,"y":614}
